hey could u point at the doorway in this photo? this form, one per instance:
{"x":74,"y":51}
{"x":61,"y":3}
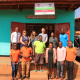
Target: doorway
{"x":37,"y":27}
{"x":51,"y":27}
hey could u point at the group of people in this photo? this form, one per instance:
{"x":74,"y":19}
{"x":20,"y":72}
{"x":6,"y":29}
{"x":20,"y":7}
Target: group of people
{"x":34,"y":48}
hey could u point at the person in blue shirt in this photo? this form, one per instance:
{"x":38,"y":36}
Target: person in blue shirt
{"x":63,"y":38}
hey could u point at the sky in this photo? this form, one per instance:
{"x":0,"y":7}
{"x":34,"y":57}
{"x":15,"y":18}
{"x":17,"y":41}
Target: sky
{"x":77,"y":13}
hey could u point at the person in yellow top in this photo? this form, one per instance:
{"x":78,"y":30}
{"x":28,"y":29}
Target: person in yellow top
{"x":15,"y":57}
{"x":70,"y":58}
{"x":39,"y":49}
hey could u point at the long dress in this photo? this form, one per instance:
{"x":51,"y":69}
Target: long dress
{"x":24,"y":39}
{"x":50,"y":63}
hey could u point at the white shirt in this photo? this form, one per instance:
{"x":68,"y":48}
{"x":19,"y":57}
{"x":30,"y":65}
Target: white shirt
{"x":44,"y":36}
{"x":15,"y":37}
{"x":61,"y":54}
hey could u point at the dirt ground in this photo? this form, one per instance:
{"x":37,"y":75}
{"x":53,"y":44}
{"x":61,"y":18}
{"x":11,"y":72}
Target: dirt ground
{"x":9,"y":78}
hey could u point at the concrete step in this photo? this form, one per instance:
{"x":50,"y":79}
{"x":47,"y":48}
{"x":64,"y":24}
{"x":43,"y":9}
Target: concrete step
{"x":5,"y":67}
{"x":38,"y":75}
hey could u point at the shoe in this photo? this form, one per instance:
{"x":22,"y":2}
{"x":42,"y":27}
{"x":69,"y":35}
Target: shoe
{"x":52,"y":77}
{"x":49,"y":76}
{"x":57,"y":77}
{"x":41,"y":70}
{"x":67,"y":79}
{"x":12,"y":79}
{"x":16,"y":78}
{"x":27,"y":77}
{"x":61,"y":78}
{"x":35,"y":70}
{"x":32,"y":61}
{"x":22,"y":78}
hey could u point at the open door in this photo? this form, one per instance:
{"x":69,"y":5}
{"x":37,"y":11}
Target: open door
{"x":65,"y":26}
{"x":29,"y":29}
{"x":21,"y":26}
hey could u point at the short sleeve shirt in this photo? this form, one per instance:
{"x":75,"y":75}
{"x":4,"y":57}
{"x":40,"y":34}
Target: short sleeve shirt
{"x":15,"y":37}
{"x":44,"y":36}
{"x":63,"y":38}
{"x":71,"y":52}
{"x":26,"y":52}
{"x":15,"y":55}
{"x":39,"y":47}
{"x":61,"y":54}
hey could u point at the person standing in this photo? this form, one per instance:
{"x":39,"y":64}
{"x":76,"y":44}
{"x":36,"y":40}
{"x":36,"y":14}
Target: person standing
{"x":26,"y":52}
{"x":23,"y":39}
{"x":15,"y":58}
{"x":33,"y":38}
{"x":54,"y":40}
{"x":63,"y":38}
{"x":61,"y":56}
{"x":44,"y":36}
{"x":50,"y":59}
{"x":15,"y":37}
{"x":39,"y":52}
{"x":70,"y":58}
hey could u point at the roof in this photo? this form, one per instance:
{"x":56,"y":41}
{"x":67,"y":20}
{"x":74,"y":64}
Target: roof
{"x":29,"y":4}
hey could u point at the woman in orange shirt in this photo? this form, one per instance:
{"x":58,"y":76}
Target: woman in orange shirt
{"x":14,"y":56}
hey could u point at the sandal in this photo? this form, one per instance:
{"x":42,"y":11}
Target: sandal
{"x":35,"y":70}
{"x":41,"y":70}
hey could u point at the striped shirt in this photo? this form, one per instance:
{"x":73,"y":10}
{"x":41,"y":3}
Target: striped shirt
{"x":61,"y":54}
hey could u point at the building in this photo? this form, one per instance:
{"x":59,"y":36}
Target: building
{"x":19,"y":13}
{"x":77,"y":26}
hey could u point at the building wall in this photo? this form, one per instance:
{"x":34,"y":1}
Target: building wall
{"x":6,"y":16}
{"x":77,"y":25}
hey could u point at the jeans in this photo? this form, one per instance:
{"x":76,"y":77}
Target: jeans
{"x":14,"y":69}
{"x":60,"y":67}
{"x":69,"y":67}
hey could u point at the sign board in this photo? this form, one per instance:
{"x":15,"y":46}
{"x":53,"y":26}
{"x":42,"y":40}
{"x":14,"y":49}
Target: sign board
{"x":41,"y":16}
{"x":44,"y":9}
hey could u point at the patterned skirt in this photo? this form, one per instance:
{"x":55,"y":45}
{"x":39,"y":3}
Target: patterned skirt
{"x":39,"y":59}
